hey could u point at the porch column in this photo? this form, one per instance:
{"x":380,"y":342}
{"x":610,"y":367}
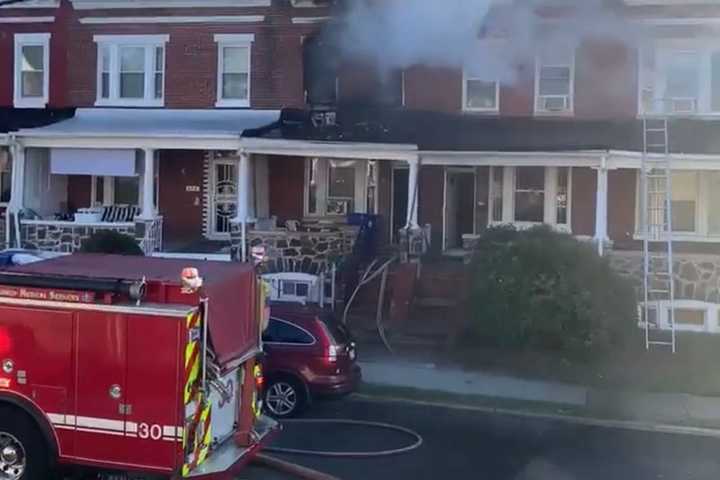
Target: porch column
{"x":601,"y":208}
{"x":148,"y":204}
{"x":243,"y":196}
{"x":243,"y":188}
{"x":413,"y":175}
{"x":17,"y":192}
{"x":17,"y":178}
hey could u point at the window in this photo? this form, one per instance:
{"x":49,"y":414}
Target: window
{"x":116,"y":191}
{"x":689,"y":316}
{"x":340,"y":187}
{"x":32,"y":70}
{"x":693,"y":199}
{"x":480,"y":94}
{"x":531,"y":195}
{"x":131,"y":70}
{"x":680,"y":77}
{"x":234,"y":62}
{"x":5,"y":177}
{"x":554,"y":82}
{"x":684,"y":201}
{"x":280,"y":331}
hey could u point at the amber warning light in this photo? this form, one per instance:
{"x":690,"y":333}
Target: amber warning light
{"x":191,"y":280}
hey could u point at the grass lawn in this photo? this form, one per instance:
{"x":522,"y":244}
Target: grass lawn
{"x":693,"y":369}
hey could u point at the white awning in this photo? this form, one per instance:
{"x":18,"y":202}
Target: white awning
{"x":79,"y":161}
{"x":132,"y":128}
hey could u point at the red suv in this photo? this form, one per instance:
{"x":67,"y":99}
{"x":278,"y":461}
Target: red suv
{"x":309,"y":354}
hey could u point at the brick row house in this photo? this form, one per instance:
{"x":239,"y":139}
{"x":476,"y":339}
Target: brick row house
{"x":262,"y":131}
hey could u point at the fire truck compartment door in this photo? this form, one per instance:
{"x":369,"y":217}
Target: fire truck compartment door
{"x":224,"y":399}
{"x":154,"y":390}
{"x":101,"y":367}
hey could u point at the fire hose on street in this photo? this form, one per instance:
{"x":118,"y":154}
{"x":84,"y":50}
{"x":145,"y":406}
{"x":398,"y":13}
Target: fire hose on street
{"x":309,"y":474}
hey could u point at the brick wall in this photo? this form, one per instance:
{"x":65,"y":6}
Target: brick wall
{"x":430,"y":202}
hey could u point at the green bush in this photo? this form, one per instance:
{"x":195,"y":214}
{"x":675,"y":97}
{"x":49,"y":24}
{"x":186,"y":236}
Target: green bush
{"x":108,"y":241}
{"x":540,"y":288}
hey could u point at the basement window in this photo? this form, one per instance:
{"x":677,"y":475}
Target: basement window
{"x":32,"y":70}
{"x":131,"y":70}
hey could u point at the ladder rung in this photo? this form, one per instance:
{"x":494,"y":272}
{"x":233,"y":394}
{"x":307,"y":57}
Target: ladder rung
{"x":656,"y":342}
{"x":656,"y":129}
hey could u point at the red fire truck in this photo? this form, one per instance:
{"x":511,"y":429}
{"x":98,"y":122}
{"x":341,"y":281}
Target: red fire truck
{"x":117,"y":363}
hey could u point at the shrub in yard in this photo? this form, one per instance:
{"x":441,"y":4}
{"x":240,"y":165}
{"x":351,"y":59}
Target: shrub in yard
{"x":540,"y":288}
{"x":108,"y":241}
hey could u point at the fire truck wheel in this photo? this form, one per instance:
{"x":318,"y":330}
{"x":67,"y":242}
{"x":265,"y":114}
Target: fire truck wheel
{"x":285,"y":397}
{"x":24,"y":453}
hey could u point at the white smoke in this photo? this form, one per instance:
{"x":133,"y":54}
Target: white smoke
{"x":486,"y":39}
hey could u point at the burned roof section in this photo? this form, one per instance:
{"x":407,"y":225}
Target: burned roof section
{"x":434,"y":131}
{"x":13,"y":119}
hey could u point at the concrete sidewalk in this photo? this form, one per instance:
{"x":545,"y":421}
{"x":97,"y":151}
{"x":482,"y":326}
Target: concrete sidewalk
{"x":387,"y":370}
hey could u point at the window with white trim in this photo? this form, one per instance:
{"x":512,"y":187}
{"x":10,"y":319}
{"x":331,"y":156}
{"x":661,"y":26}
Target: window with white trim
{"x":680,"y":77}
{"x":555,"y":82}
{"x":106,"y":191}
{"x":480,"y":94}
{"x":337,"y":187}
{"x":690,"y":316}
{"x":693,"y":199}
{"x":234,"y":69}
{"x":131,"y":70}
{"x":32,"y":70}
{"x":527,"y":196}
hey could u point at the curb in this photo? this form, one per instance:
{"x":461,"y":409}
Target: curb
{"x":573,"y":419}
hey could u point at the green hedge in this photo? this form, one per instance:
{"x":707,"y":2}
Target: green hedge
{"x":540,"y":288}
{"x":111,"y":242}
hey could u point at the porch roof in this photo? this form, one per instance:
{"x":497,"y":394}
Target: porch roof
{"x":451,"y":132}
{"x":149,"y":128}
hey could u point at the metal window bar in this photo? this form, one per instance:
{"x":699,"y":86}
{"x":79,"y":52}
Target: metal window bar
{"x":656,"y":218}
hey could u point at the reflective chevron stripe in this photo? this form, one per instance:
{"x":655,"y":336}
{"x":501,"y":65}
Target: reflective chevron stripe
{"x":108,"y":426}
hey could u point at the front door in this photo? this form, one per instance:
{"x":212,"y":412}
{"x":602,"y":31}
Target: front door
{"x":223,"y":197}
{"x":101,"y":385}
{"x":400,"y":201}
{"x":459,"y":206}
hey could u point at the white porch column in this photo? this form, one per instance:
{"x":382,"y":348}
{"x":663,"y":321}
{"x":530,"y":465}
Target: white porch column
{"x":243,"y":188}
{"x":17,"y":193}
{"x":17,"y":179}
{"x":148,"y":203}
{"x":601,"y":208}
{"x":243,"y":197}
{"x":413,"y":193}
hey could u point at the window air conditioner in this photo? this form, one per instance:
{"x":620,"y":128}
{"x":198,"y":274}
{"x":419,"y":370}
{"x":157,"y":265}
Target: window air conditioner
{"x":683,"y":105}
{"x":554,"y":103}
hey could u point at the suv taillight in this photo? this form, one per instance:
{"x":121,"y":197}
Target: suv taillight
{"x":332,"y":353}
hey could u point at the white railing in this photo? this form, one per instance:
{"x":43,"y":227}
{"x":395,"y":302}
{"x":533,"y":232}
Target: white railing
{"x":152,"y":241}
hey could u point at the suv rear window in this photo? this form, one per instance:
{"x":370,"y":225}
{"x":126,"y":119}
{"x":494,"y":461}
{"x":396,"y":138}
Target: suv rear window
{"x":280,"y":331}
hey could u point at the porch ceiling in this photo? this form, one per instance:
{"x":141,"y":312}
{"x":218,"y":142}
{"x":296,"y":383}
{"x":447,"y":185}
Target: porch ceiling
{"x":149,"y":128}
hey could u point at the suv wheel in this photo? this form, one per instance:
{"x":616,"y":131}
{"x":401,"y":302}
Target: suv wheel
{"x":285,"y":397}
{"x":23,"y":451}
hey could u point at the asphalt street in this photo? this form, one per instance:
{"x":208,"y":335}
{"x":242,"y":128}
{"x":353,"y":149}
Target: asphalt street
{"x":461,"y":444}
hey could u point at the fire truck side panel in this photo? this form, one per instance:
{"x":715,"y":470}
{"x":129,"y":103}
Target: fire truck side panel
{"x":39,"y":344}
{"x":154,"y":391}
{"x":101,"y":387}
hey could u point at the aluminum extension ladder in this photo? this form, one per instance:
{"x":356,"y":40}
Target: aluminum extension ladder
{"x":658,"y":284}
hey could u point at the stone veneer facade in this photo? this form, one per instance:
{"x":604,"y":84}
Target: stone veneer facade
{"x":697,"y":277}
{"x":67,"y":237}
{"x":308,"y":252}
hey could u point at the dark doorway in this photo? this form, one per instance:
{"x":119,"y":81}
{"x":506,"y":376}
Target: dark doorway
{"x":459,"y":206}
{"x":400,"y":201}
